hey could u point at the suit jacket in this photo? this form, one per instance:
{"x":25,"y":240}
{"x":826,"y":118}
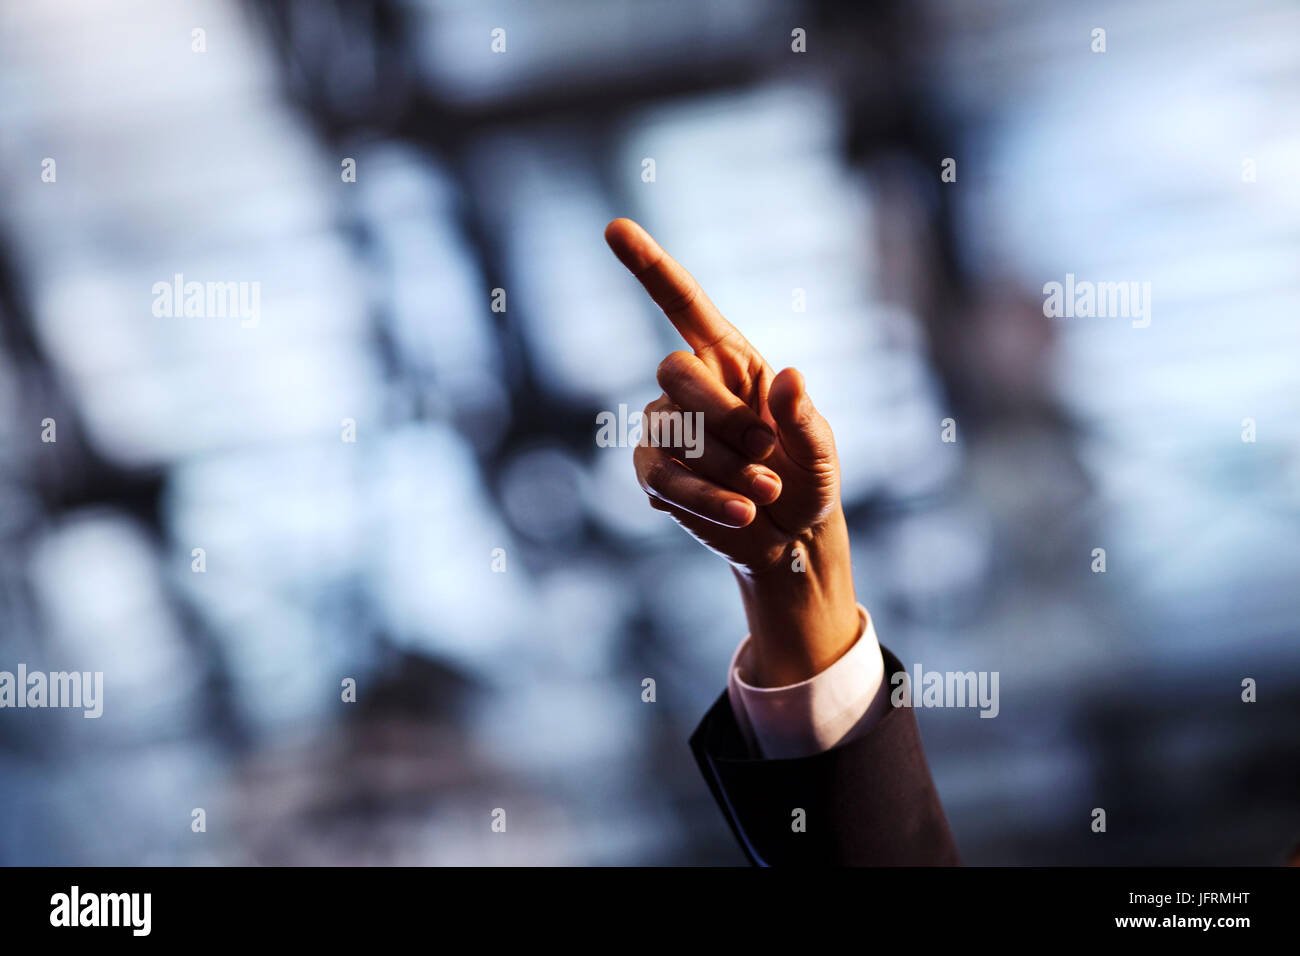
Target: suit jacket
{"x":867,"y":802}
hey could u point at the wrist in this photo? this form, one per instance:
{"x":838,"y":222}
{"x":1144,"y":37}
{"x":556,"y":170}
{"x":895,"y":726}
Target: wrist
{"x":802,"y":610}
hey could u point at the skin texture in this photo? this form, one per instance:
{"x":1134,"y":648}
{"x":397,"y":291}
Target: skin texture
{"x":765,"y":493}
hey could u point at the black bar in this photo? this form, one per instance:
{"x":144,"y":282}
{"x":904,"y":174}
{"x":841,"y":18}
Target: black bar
{"x":334,"y":906}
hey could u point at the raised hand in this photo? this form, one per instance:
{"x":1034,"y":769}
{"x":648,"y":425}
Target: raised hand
{"x":764,"y":491}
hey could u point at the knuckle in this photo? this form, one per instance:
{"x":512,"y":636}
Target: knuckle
{"x":683,"y":300}
{"x":656,"y":476}
{"x":648,"y":416}
{"x":643,"y":462}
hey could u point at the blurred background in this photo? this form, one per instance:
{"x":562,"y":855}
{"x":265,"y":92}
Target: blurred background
{"x":781,"y":179}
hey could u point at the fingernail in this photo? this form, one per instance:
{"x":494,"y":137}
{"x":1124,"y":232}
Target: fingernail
{"x":759,"y":441}
{"x":766,"y":487}
{"x":737,"y":513}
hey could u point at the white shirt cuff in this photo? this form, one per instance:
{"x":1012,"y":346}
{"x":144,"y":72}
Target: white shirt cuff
{"x":829,"y":708}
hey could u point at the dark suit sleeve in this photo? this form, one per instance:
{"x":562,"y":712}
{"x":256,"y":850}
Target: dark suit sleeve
{"x":867,"y":802}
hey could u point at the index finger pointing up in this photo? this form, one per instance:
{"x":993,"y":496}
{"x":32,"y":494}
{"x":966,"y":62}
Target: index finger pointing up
{"x":672,"y":287}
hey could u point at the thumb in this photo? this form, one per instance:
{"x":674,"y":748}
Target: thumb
{"x":805,"y":435}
